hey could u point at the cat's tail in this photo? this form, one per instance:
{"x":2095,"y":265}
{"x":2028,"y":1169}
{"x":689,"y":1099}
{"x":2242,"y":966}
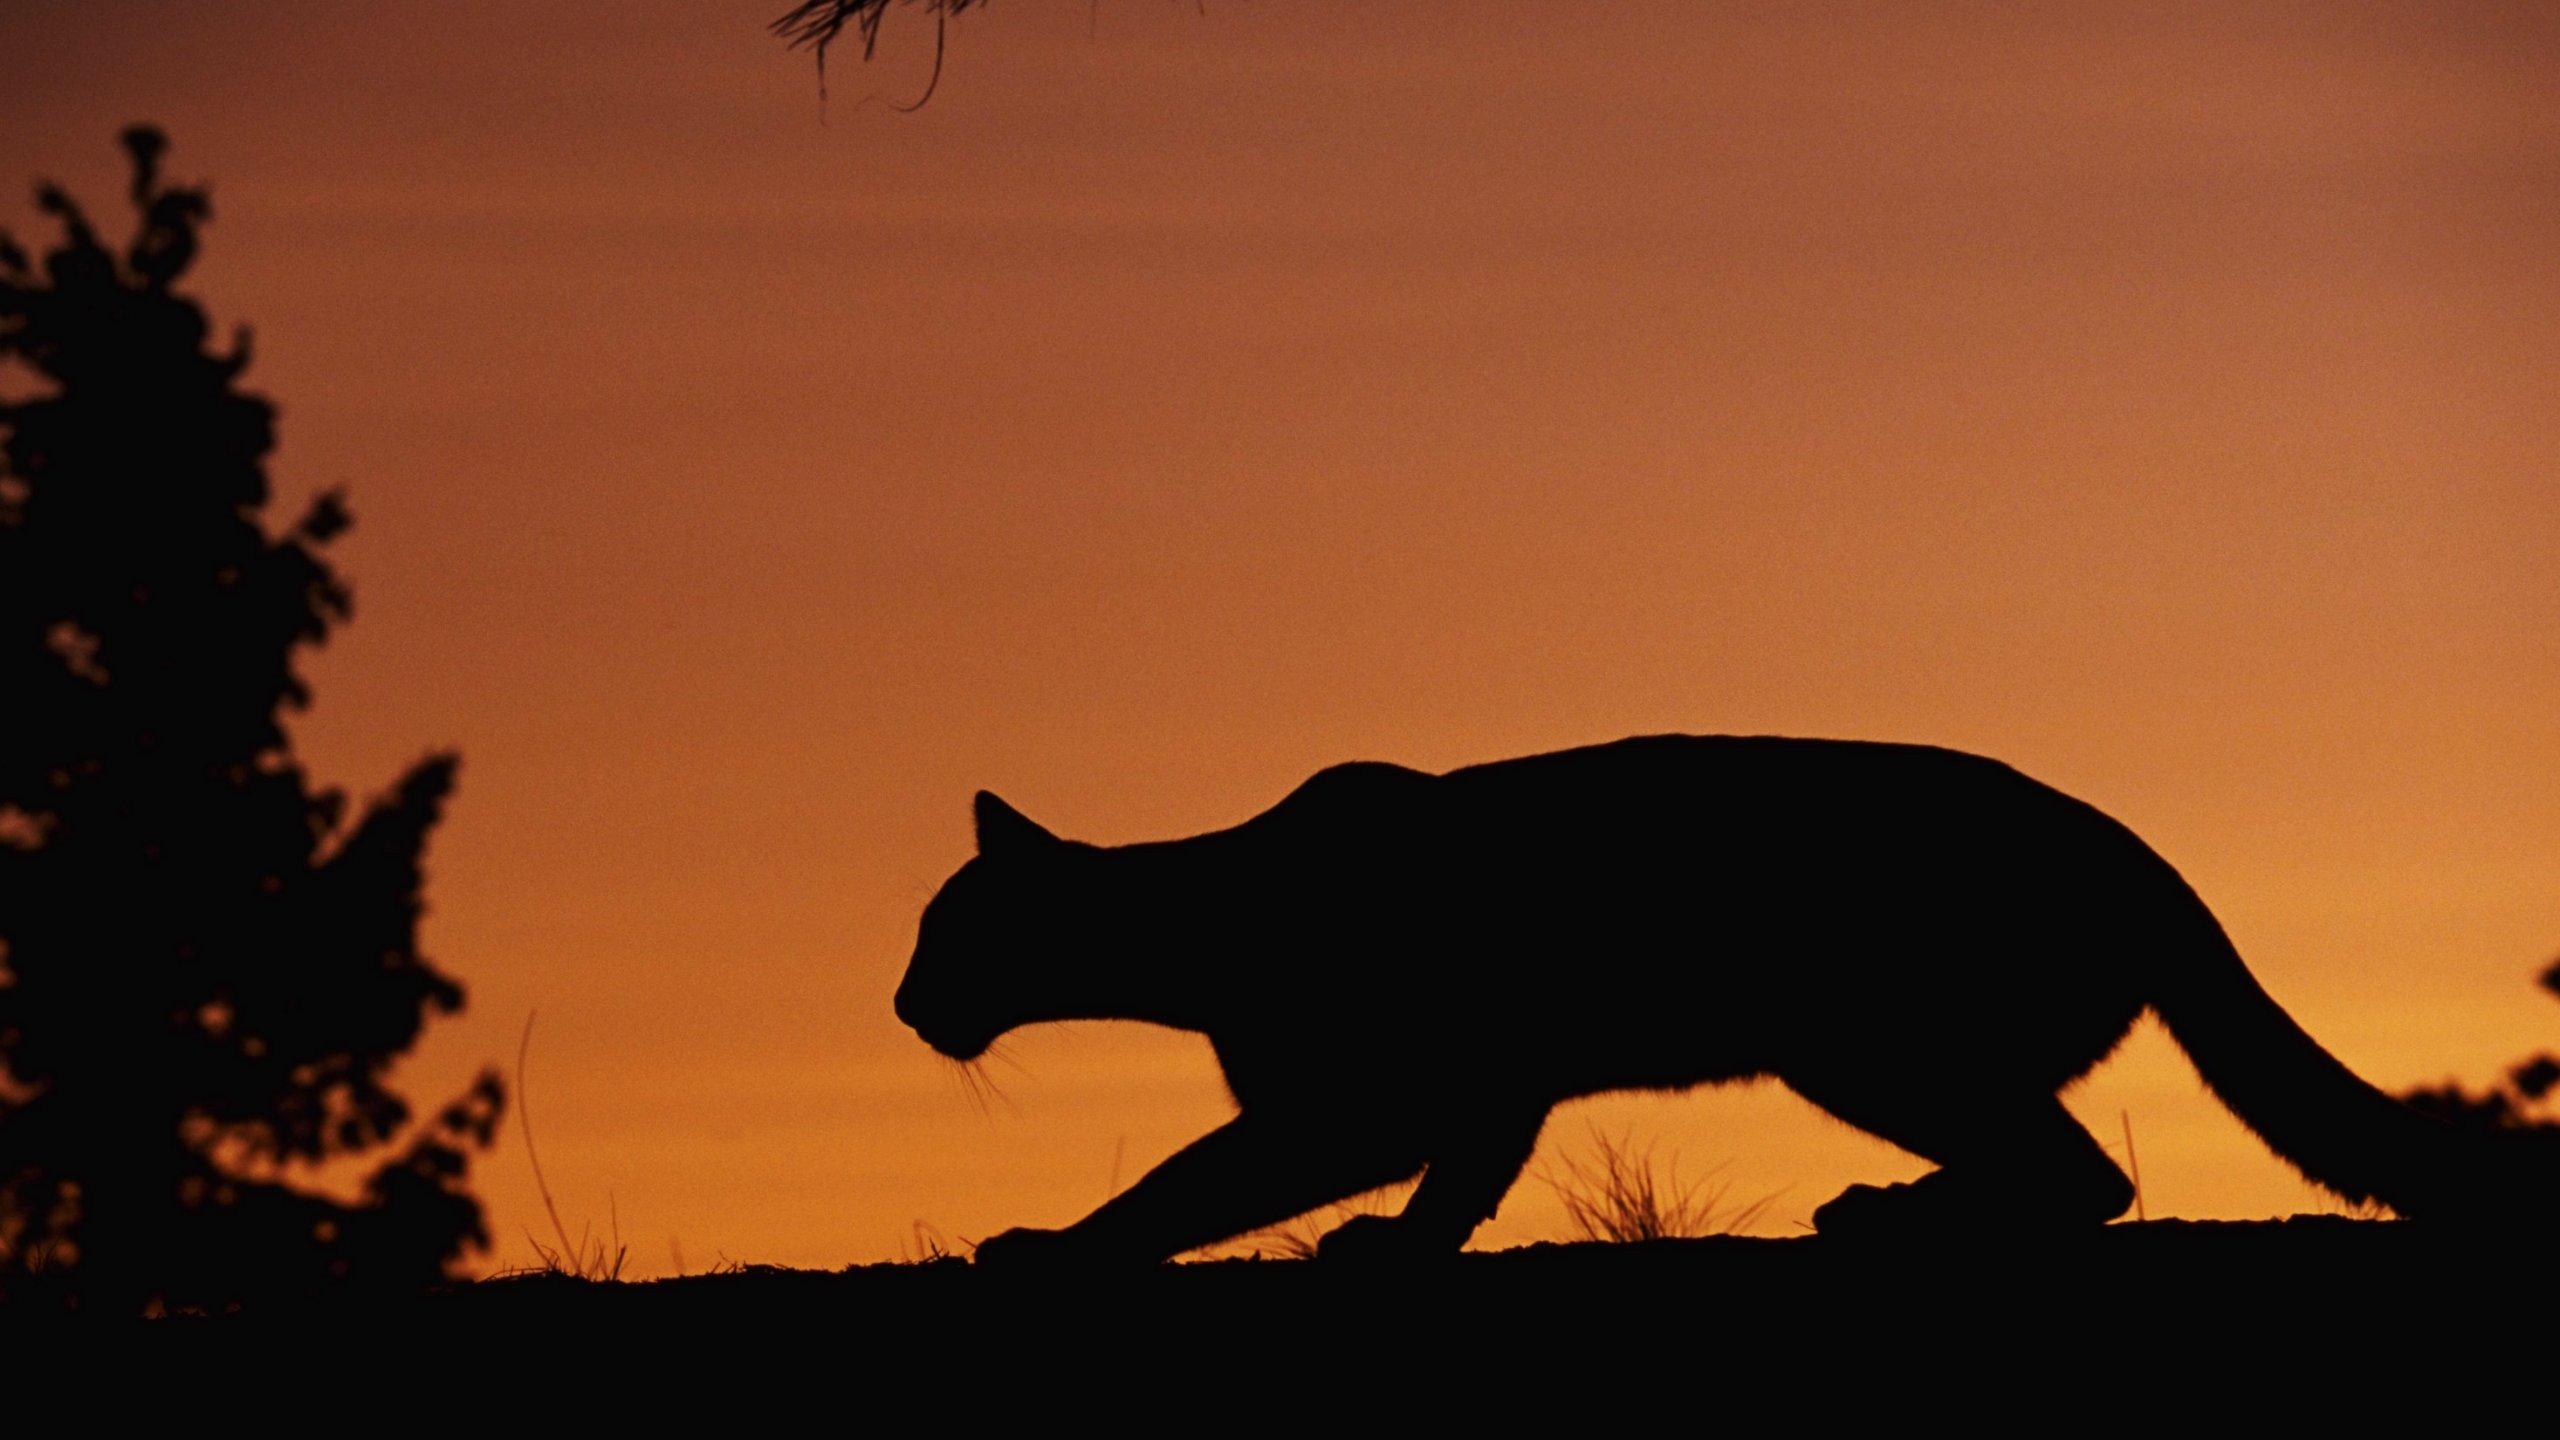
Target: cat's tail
{"x":2341,"y":1132}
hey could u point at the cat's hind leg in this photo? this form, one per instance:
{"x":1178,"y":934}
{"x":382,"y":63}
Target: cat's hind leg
{"x":2005,"y":1160}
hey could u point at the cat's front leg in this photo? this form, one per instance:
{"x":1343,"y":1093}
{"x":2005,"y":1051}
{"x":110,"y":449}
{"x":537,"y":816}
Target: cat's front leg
{"x":1473,"y":1165}
{"x":1251,"y":1172}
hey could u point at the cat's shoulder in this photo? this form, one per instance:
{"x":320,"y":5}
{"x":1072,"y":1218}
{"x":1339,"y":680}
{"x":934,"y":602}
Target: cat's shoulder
{"x":1355,"y":785}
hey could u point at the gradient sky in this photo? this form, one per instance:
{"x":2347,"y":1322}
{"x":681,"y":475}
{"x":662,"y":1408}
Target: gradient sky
{"x":2157,"y":397}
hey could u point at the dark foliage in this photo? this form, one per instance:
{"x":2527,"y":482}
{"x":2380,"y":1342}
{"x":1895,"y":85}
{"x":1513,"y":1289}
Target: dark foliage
{"x":205,"y":972}
{"x":2514,"y":1103}
{"x":815,"y":24}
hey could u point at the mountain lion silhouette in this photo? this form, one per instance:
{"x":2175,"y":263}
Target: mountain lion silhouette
{"x":1403,"y":973}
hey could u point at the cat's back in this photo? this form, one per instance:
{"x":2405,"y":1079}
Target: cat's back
{"x":1655,"y":820}
{"x":1779,"y":781}
{"x":1769,"y":824}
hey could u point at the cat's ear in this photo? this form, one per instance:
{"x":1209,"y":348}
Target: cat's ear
{"x":1001,"y":828}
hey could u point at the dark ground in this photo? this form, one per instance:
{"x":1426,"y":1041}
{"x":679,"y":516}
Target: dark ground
{"x":2265,"y":1324}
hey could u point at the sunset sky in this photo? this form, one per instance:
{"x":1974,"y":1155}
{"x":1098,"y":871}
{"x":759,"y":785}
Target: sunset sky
{"x":2160,"y":398}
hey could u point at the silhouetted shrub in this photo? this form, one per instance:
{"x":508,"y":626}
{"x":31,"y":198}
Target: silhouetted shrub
{"x":205,"y":974}
{"x":2514,"y":1103}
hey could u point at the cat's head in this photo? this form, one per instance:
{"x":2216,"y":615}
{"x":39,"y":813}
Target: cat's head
{"x":988,"y":949}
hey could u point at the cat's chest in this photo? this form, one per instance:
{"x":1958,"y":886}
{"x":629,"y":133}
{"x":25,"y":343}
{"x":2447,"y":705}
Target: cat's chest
{"x":1301,"y":1061}
{"x":1282,"y":1063}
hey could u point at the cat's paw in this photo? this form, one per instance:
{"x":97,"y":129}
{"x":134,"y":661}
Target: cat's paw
{"x":1380,"y":1240}
{"x":1864,"y":1211}
{"x":1023,"y":1250}
{"x":1929,"y":1207}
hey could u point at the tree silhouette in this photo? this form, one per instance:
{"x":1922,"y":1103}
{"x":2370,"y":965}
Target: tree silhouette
{"x":205,"y":974}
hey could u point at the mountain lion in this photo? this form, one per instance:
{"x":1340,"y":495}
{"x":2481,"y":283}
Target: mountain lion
{"x":1402,"y":973}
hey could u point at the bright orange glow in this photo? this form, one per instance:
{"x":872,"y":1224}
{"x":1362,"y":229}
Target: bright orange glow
{"x":2162,"y":403}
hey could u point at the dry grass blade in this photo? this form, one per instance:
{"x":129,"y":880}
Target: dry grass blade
{"x":2133,"y":1163}
{"x":577,"y":1259}
{"x":1298,"y":1239}
{"x":524,"y":1125}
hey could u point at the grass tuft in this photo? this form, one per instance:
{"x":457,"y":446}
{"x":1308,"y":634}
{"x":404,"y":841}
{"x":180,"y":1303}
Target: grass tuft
{"x":590,"y":1258}
{"x":1621,"y":1196}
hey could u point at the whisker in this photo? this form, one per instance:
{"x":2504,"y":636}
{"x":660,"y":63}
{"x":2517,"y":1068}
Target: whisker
{"x":978,"y":1071}
{"x":1002,"y":1054}
{"x":968,"y":1079}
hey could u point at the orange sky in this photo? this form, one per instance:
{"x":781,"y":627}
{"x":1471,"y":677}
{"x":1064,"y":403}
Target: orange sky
{"x":2158,"y":399}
